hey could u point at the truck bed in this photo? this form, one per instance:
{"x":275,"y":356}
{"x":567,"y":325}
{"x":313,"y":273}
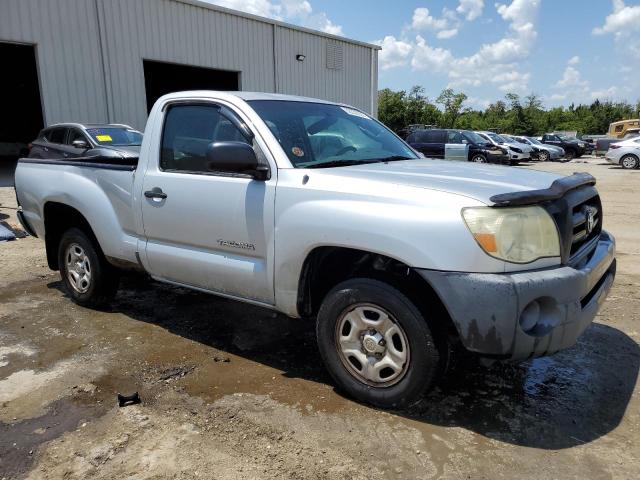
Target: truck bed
{"x":85,"y":184}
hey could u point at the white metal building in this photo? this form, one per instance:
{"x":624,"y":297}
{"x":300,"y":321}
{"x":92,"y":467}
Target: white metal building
{"x":108,"y":60}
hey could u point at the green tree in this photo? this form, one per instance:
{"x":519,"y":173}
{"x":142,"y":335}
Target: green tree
{"x":452,"y":105}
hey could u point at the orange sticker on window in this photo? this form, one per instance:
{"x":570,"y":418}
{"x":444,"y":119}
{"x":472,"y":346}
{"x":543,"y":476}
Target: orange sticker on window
{"x":297,"y":151}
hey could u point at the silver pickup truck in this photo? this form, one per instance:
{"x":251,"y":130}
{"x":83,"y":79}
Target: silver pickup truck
{"x":318,"y":211}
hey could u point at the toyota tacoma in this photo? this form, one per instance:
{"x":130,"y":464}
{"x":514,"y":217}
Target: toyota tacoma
{"x":316,"y":210}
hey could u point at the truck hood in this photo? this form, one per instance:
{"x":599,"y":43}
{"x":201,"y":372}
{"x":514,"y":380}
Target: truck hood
{"x":476,"y":181}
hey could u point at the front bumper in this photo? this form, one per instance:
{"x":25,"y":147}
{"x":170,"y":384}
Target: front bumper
{"x":520,"y":156}
{"x":487,"y":309}
{"x":611,"y":159}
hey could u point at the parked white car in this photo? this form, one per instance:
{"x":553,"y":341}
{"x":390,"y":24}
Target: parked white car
{"x":518,"y":151}
{"x":625,"y":153}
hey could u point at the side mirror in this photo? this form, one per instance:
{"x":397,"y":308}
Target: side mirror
{"x":80,"y":144}
{"x":235,"y":157}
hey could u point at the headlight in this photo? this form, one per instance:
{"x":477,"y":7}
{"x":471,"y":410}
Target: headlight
{"x":517,"y":235}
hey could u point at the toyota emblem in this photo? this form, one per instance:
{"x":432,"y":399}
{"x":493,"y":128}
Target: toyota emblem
{"x":590,"y":214}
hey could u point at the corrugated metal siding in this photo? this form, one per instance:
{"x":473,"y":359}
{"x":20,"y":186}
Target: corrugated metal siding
{"x":90,"y":54}
{"x":174,"y":32}
{"x":312,"y":78}
{"x":67,"y":51}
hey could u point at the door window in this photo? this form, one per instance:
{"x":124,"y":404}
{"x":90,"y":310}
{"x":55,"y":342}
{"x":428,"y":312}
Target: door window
{"x":454,"y":137}
{"x":434,"y":136}
{"x":188,"y":131}
{"x":56,"y":135}
{"x":75,"y":134}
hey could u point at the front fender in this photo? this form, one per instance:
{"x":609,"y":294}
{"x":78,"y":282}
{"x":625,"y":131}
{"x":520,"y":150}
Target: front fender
{"x":422,"y":228}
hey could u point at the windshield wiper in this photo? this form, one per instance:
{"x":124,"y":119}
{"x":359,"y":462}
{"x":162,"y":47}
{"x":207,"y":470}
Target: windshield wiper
{"x":394,"y":158}
{"x":338,"y":163}
{"x":346,"y":163}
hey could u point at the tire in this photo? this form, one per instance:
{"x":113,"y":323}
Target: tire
{"x":479,"y":158}
{"x":629,"y":162}
{"x":543,"y":156}
{"x":409,"y":337}
{"x":569,"y":155}
{"x":87,"y":276}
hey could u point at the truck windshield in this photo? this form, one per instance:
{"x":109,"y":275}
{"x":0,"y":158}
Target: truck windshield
{"x":316,"y":135}
{"x":115,"y":136}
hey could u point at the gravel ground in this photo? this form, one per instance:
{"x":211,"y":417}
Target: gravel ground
{"x":233,"y":391}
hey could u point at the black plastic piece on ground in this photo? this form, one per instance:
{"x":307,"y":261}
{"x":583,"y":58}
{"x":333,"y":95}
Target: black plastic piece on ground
{"x":124,"y":400}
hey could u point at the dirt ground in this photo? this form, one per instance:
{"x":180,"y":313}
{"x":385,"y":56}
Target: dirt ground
{"x":232,"y":391}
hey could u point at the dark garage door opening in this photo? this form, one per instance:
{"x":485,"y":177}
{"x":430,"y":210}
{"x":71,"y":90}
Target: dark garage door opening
{"x":161,"y":78}
{"x":21,"y":117}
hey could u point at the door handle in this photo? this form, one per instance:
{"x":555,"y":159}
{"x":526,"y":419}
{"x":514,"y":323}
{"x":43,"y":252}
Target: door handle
{"x":155,"y":192}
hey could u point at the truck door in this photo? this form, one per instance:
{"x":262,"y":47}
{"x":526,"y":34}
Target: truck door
{"x":455,"y":149}
{"x":211,"y":230}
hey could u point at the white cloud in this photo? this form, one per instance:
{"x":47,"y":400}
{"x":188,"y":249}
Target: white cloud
{"x":295,"y":8}
{"x":422,"y":20}
{"x":495,"y":63}
{"x":293,"y":11}
{"x":430,"y":58}
{"x":605,"y":94}
{"x":571,"y":78}
{"x":478,"y":103}
{"x":558,"y":97}
{"x":574,"y":60}
{"x":623,"y":20}
{"x":444,"y":34}
{"x":264,"y":8}
{"x":471,"y":9}
{"x":394,"y":53}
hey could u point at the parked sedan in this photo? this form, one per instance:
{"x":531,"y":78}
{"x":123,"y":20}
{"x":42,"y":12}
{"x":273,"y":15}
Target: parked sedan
{"x":626,"y":153}
{"x":73,"y":140}
{"x":517,"y":151}
{"x":547,"y":152}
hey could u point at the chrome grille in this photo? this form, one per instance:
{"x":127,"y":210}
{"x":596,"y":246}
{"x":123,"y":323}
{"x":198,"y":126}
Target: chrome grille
{"x":571,"y":214}
{"x":587,"y":223}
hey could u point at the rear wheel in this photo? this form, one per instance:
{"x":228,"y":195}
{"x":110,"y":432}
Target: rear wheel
{"x":89,"y":279}
{"x":479,"y":158}
{"x":629,"y":162}
{"x":376,"y":344}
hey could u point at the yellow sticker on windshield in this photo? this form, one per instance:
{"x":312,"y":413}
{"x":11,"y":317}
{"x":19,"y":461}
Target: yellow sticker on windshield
{"x":104,"y":138}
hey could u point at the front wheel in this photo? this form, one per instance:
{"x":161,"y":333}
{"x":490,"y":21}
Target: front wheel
{"x":629,"y":162}
{"x":376,"y":344}
{"x":569,"y":155}
{"x":543,"y":156}
{"x":89,"y":279}
{"x":479,"y":158}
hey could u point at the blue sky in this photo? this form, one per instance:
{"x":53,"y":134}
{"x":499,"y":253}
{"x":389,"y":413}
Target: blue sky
{"x":566,"y":51}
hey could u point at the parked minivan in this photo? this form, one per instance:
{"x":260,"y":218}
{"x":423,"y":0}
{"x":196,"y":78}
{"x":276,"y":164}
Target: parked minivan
{"x":461,"y":145}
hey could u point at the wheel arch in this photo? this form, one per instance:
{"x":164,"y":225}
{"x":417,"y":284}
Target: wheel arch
{"x":326,"y":266}
{"x":58,"y":218}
